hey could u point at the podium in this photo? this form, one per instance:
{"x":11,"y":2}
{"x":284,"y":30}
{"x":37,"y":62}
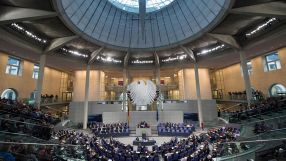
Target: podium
{"x":146,"y":131}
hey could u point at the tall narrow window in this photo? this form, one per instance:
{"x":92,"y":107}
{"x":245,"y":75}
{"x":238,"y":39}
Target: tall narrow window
{"x":272,"y":62}
{"x":13,"y":66}
{"x":249,"y":68}
{"x":36,"y":71}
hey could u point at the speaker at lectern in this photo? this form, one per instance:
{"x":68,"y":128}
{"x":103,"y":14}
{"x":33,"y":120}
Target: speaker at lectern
{"x":144,"y":136}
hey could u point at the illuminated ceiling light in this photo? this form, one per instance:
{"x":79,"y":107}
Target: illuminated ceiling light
{"x":142,"y":62}
{"x":261,"y":27}
{"x":28,"y":33}
{"x":76,"y":53}
{"x":178,"y":57}
{"x":207,"y":51}
{"x":108,"y":59}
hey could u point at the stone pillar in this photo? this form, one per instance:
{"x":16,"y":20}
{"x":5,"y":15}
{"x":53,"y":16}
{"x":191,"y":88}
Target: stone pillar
{"x":246,"y":78}
{"x":158,"y":85}
{"x":157,"y":77}
{"x":198,"y":91}
{"x":86,"y":97}
{"x":40,"y":80}
{"x":125,"y":83}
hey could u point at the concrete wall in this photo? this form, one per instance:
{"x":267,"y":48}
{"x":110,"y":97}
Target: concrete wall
{"x":260,"y":79}
{"x":25,"y":84}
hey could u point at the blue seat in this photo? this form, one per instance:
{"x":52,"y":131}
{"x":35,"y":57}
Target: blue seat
{"x":156,"y":158}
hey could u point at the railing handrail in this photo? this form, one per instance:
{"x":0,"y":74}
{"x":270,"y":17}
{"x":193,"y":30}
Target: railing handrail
{"x":22,"y":115}
{"x":233,"y":106}
{"x":254,"y":141}
{"x":5,"y":142}
{"x":265,"y":133}
{"x":25,"y":122}
{"x":248,"y":123}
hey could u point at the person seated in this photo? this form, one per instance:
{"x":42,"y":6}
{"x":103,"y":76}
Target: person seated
{"x":5,"y":152}
{"x":137,"y":138}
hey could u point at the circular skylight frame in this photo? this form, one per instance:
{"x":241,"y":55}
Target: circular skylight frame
{"x":133,"y":5}
{"x":102,"y":23}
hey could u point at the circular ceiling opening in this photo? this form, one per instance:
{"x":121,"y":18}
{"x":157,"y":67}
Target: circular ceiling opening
{"x":107,"y":22}
{"x":133,"y":5}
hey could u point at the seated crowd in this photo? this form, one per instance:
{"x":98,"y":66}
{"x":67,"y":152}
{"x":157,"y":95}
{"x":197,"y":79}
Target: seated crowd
{"x":91,"y":148}
{"x":218,"y":137}
{"x":24,"y":152}
{"x":26,"y":111}
{"x":143,"y":124}
{"x":115,"y":129}
{"x":20,"y":118}
{"x":272,"y":104}
{"x":179,"y":129}
{"x":261,"y":127}
{"x":193,"y":148}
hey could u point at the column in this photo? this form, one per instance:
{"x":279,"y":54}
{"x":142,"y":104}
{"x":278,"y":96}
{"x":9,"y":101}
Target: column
{"x":85,"y":110}
{"x":198,"y":90}
{"x":185,"y":95}
{"x":157,"y":77}
{"x":125,"y":83}
{"x":246,"y":78}
{"x":40,"y":80}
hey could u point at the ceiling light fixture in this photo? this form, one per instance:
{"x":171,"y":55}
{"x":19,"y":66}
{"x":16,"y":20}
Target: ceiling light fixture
{"x":178,"y":57}
{"x":108,"y":59}
{"x":261,"y":27}
{"x":28,"y":33}
{"x":73,"y":52}
{"x":142,"y":62}
{"x":207,"y":51}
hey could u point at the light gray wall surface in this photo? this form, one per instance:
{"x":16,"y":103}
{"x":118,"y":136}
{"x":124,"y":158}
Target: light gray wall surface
{"x":209,"y":108}
{"x":173,"y":112}
{"x":114,"y":117}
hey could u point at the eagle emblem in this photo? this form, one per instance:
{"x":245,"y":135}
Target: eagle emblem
{"x":142,"y":92}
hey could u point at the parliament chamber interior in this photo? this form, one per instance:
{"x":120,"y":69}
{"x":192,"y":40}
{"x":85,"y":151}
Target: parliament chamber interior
{"x":142,"y":80}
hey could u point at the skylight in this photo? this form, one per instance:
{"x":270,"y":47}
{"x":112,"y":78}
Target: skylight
{"x":133,"y":5}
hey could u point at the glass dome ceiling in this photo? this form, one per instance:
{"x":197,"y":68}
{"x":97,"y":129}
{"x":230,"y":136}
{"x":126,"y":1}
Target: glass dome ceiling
{"x":133,"y":5}
{"x":101,"y":22}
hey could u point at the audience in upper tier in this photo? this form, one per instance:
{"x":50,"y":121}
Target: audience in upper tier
{"x":238,"y":95}
{"x":49,"y":98}
{"x":177,"y":129}
{"x":272,"y":104}
{"x":143,"y":124}
{"x":23,"y":152}
{"x":116,"y":129}
{"x":261,"y":127}
{"x":27,"y":111}
{"x":20,"y":118}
